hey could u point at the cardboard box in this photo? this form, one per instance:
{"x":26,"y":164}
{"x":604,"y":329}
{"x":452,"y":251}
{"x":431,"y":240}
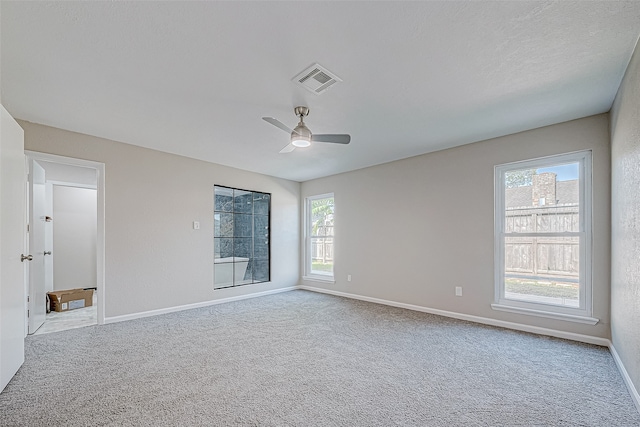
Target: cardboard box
{"x":70,"y":299}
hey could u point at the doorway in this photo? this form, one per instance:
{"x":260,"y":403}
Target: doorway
{"x":66,"y":236}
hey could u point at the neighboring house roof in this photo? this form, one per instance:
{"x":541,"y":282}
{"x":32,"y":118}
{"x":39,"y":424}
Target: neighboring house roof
{"x":567,"y":193}
{"x":519,"y":197}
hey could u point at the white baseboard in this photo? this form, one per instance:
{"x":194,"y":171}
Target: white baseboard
{"x":625,"y":376}
{"x":157,"y":312}
{"x":477,"y":319}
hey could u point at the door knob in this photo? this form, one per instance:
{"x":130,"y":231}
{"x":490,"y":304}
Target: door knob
{"x":26,"y":257}
{"x":47,"y":252}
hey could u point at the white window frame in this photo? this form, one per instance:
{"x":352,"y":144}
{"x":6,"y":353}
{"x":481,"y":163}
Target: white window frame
{"x":308,"y":275}
{"x":582,"y":314}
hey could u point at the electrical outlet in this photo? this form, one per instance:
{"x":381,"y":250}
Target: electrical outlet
{"x":458,"y":291}
{"x":348,"y":277}
{"x":196,"y":225}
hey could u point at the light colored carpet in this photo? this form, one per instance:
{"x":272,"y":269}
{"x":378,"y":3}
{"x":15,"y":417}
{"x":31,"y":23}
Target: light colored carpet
{"x":305,"y":359}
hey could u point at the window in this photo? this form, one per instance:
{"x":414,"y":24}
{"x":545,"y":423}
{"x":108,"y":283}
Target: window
{"x":241,"y":239}
{"x":543,"y":237}
{"x":319,"y":217}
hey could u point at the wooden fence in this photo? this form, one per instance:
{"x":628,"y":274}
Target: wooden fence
{"x":322,"y":245}
{"x":322,"y":251}
{"x":543,"y":257}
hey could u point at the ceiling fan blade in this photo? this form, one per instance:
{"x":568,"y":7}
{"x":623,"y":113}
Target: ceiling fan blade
{"x":289,"y":148}
{"x":335,"y":138}
{"x":277,"y":123}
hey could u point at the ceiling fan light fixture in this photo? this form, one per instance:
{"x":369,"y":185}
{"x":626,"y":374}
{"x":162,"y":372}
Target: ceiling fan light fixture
{"x":301,"y":135}
{"x":300,"y":140}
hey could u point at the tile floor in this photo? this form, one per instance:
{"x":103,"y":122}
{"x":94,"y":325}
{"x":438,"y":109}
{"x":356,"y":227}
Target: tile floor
{"x":71,"y":319}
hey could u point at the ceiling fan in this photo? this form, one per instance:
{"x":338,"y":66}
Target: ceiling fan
{"x":301,"y":136}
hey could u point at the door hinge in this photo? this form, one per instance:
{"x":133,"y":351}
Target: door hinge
{"x":27,"y":228}
{"x":27,"y":313}
{"x":28,"y":298}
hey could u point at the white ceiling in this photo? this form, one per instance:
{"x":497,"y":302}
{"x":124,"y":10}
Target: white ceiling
{"x":195,"y":78}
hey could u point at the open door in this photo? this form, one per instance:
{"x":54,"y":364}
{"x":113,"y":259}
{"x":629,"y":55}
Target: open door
{"x":12,"y":245}
{"x":37,"y":211}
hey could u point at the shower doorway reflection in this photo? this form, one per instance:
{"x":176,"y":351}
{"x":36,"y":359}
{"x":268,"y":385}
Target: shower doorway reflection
{"x":241,"y":237}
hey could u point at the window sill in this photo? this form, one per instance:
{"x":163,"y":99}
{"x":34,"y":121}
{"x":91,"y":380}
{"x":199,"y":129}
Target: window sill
{"x":324,"y":279}
{"x":547,"y":314}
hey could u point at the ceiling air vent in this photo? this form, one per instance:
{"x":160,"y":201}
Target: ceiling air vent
{"x":316,"y":79}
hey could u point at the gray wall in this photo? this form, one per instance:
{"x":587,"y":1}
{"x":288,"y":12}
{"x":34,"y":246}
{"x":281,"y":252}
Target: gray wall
{"x":74,"y":237}
{"x":153,"y":257}
{"x":411,"y":230}
{"x":625,"y":213}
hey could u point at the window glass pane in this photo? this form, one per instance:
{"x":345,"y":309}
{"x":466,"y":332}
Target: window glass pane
{"x":241,"y":272}
{"x":260,"y":248}
{"x":261,"y":203}
{"x":223,"y":199}
{"x":223,"y":274}
{"x":242,"y":201}
{"x":322,"y":217}
{"x":242,"y":225}
{"x":260,"y":270}
{"x":223,"y":248}
{"x":543,"y":200}
{"x":543,"y":270}
{"x":223,"y":224}
{"x":322,"y":255}
{"x":242,"y":247}
{"x":260,"y":226}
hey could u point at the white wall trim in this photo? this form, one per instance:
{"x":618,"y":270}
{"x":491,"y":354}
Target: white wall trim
{"x":471,"y":318}
{"x":71,"y":184}
{"x":635,"y":396}
{"x":54,"y":158}
{"x":167,"y":310}
{"x":326,"y":279}
{"x":548,"y":314}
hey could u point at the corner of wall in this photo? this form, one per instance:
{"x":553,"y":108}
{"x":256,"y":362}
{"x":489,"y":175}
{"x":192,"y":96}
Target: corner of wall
{"x":625,"y":224}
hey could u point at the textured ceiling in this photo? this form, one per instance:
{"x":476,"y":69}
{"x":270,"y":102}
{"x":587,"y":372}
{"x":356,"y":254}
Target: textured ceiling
{"x":195,"y":78}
